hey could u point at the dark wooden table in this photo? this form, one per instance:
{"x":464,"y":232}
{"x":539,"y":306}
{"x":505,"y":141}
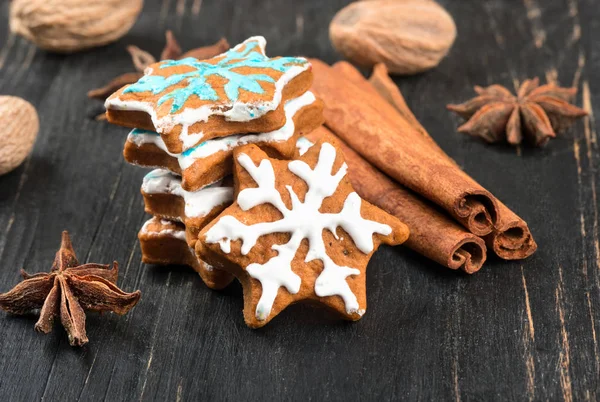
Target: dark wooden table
{"x":515,"y":331}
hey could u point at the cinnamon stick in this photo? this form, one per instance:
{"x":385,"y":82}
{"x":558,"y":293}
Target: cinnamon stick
{"x":432,"y":234}
{"x":375,"y":129}
{"x":378,"y":86}
{"x":384,"y":86}
{"x":510,"y":238}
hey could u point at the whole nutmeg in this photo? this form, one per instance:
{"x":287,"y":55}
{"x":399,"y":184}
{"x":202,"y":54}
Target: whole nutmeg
{"x":19,"y":126}
{"x":408,"y":36}
{"x":66,"y":26}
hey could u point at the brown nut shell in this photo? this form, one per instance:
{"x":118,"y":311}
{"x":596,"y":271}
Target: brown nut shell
{"x":408,"y":36}
{"x":19,"y":125}
{"x":67,"y":26}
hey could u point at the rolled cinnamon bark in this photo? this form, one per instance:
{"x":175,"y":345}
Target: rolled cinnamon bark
{"x":432,"y":234}
{"x":379,"y":87}
{"x":376,"y":130}
{"x":510,"y":238}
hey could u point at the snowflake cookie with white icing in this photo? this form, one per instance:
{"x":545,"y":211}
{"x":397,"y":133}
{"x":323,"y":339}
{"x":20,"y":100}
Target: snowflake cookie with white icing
{"x":297,"y":231}
{"x":189,"y":101}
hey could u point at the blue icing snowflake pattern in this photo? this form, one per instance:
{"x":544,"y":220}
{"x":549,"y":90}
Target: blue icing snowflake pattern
{"x":196,"y":81}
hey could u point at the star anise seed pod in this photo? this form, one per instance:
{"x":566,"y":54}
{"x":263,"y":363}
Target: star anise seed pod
{"x":66,"y":291}
{"x":536,"y":113}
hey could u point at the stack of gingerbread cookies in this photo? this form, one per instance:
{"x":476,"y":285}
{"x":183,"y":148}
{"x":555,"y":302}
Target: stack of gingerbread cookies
{"x":213,"y":130}
{"x":188,"y":116}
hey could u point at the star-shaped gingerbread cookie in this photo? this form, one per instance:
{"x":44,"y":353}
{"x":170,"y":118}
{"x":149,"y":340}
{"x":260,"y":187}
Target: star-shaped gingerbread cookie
{"x":212,"y":160}
{"x":164,"y":197}
{"x":190,"y":101}
{"x":163,"y":242}
{"x":297,"y":231}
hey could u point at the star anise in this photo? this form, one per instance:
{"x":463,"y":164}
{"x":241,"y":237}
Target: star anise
{"x":66,"y":291}
{"x":536,"y":113}
{"x":142,"y":59}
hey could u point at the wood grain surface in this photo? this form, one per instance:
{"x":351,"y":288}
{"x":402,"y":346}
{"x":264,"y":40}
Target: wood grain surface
{"x":515,"y":331}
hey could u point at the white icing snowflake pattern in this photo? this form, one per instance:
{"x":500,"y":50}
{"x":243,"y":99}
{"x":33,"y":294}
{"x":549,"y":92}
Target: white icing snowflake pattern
{"x":302,"y":221}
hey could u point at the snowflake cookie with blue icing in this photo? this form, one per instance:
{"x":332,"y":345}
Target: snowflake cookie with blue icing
{"x":212,"y":160}
{"x":297,"y":231}
{"x":189,"y":101}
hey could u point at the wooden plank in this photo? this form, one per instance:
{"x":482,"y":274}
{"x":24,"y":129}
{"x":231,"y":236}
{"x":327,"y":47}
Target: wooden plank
{"x":516,"y":330}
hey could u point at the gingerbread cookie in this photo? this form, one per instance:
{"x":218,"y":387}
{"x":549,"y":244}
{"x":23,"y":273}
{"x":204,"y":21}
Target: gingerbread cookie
{"x":189,"y":101}
{"x":164,"y":197}
{"x":163,"y":243}
{"x":297,"y":231}
{"x":212,"y":160}
{"x":303,"y":144}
